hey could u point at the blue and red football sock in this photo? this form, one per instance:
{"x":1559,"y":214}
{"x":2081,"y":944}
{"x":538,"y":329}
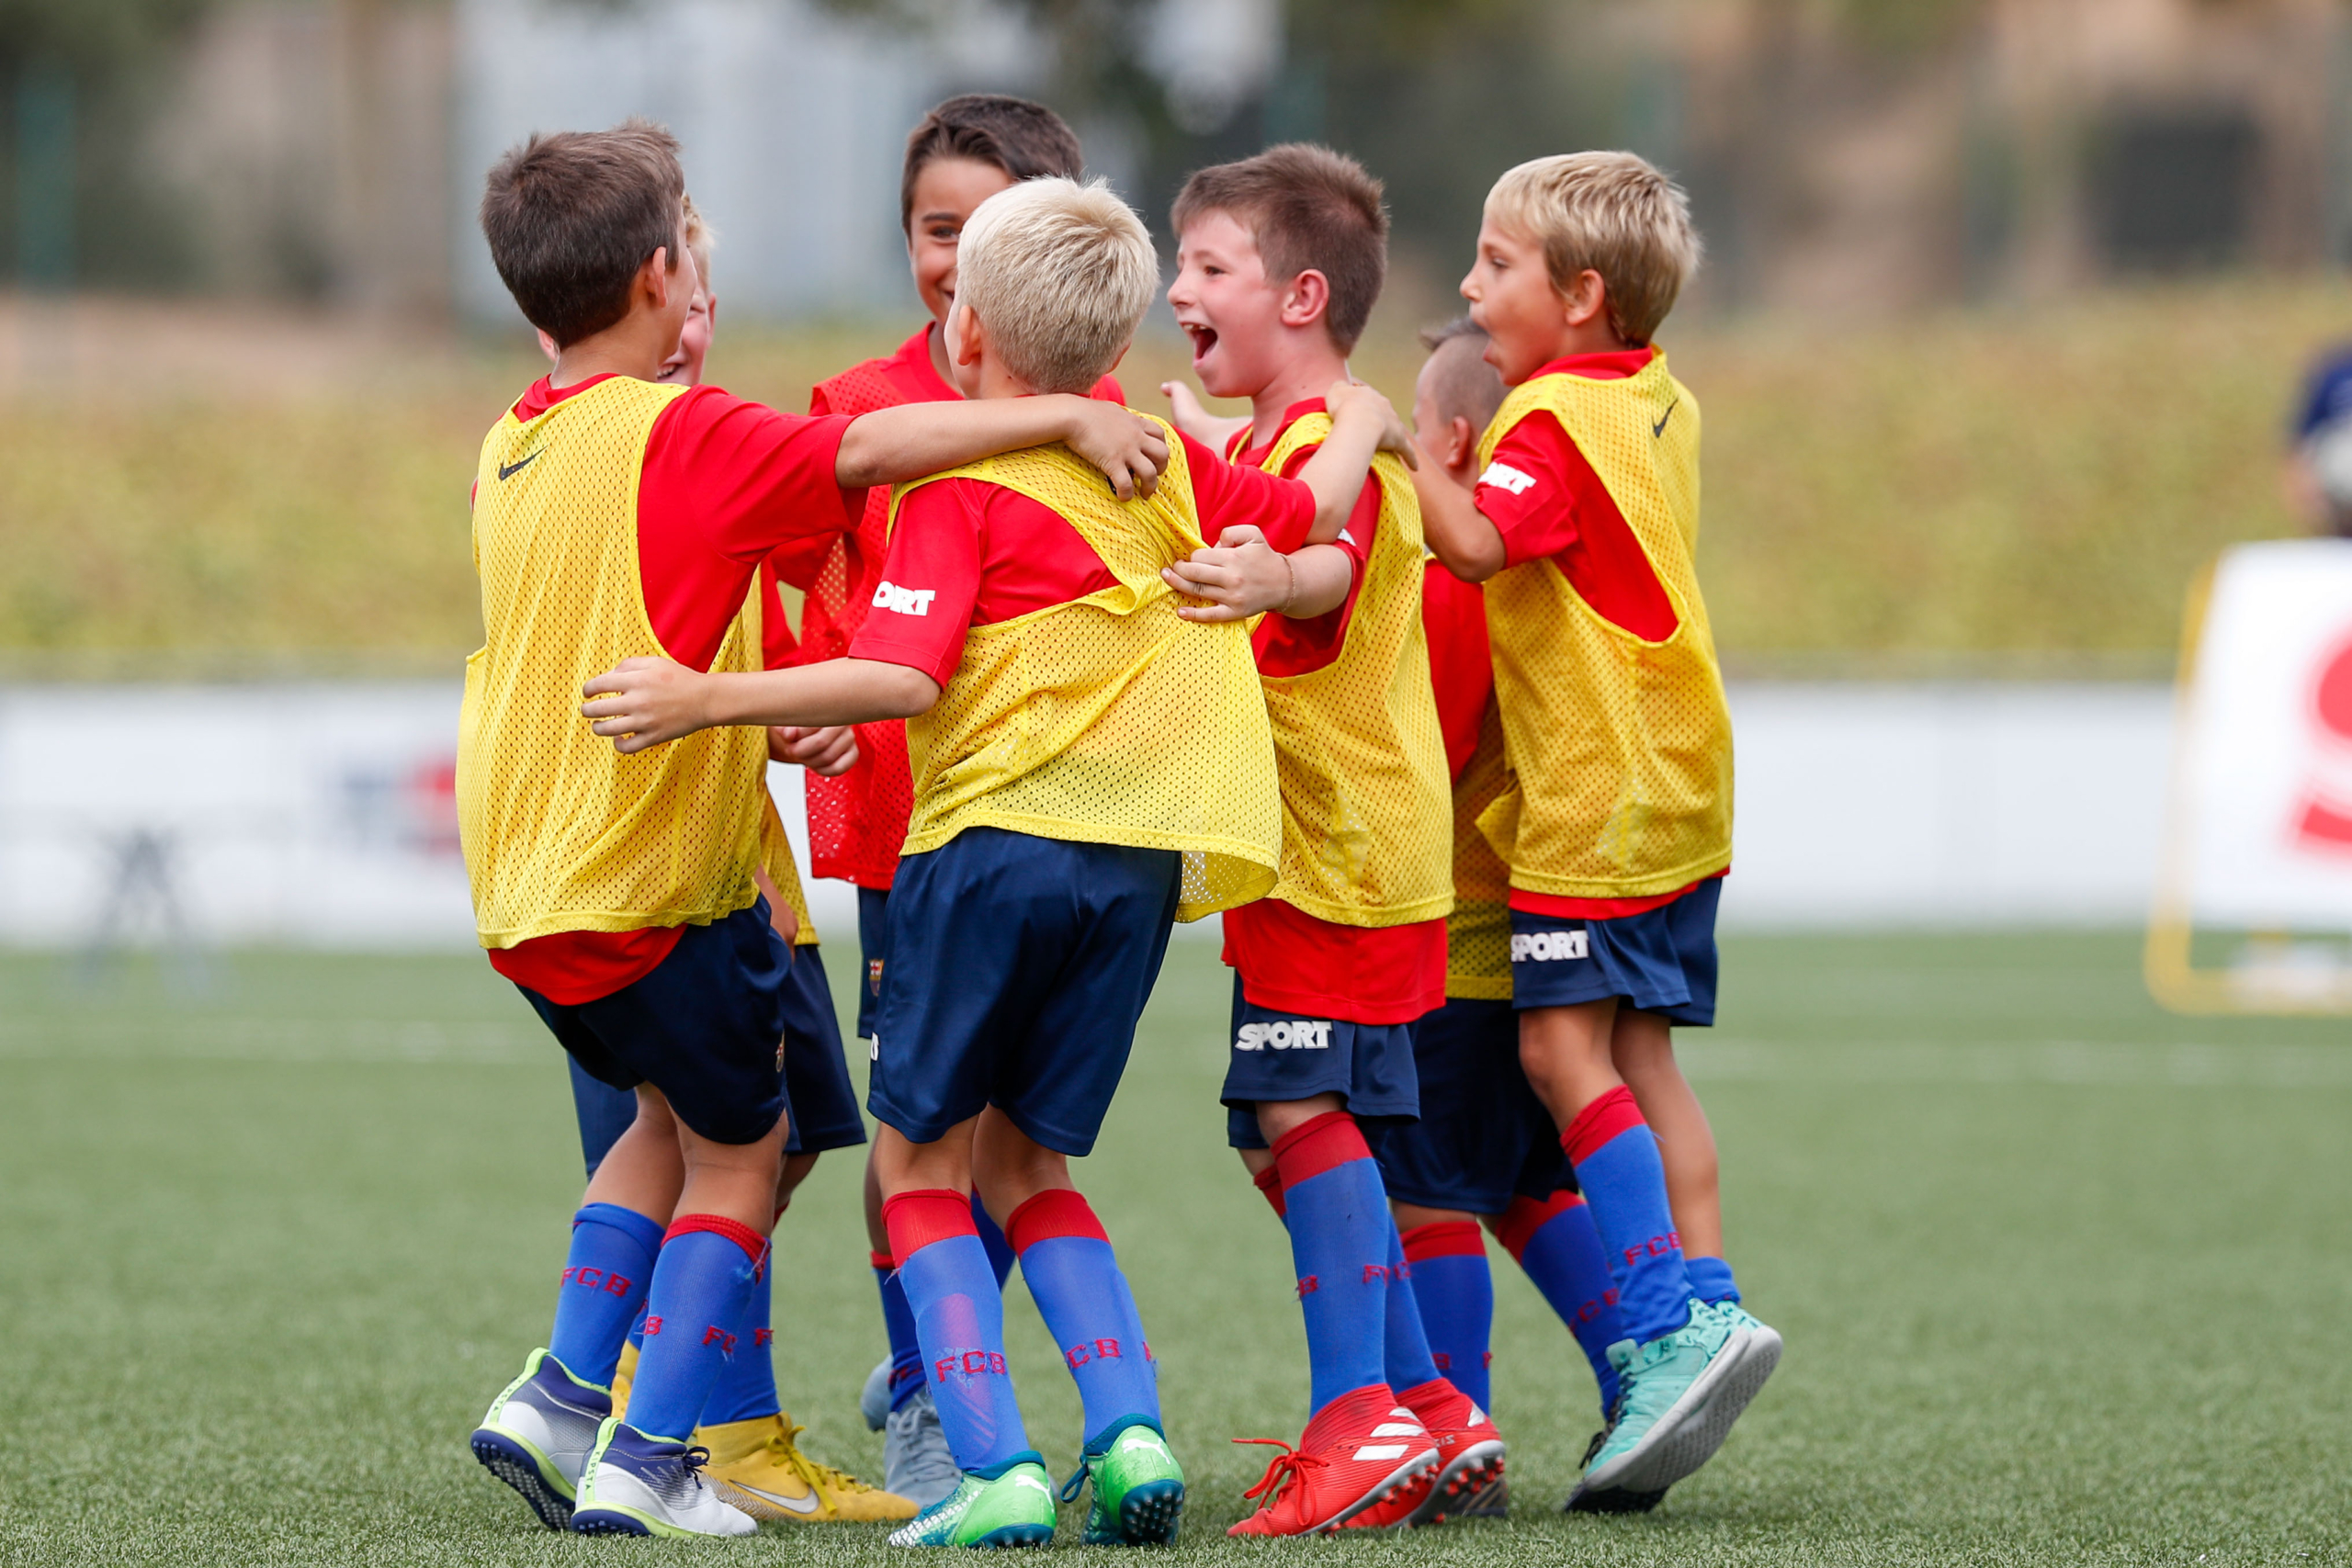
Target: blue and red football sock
{"x":1001,"y":1251}
{"x":1405,"y":1342}
{"x":702,"y":1282}
{"x":1338,"y":1216}
{"x":1555,"y":1242}
{"x":899,"y":1323}
{"x":746,"y":1387}
{"x":1457,"y":1294}
{"x":605,"y":1275}
{"x":1074,"y":1278}
{"x":959,"y":1321}
{"x":1711,"y":1280}
{"x":1616,"y":1161}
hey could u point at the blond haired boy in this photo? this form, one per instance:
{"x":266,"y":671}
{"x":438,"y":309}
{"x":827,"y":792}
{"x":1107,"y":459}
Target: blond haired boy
{"x":1616,"y":820}
{"x":1090,"y":765}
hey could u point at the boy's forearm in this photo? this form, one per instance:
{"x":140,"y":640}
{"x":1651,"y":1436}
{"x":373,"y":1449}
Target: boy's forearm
{"x":891,"y":446}
{"x":1322,"y":574}
{"x":837,"y":691}
{"x":1456,"y":532}
{"x":1336,"y":472}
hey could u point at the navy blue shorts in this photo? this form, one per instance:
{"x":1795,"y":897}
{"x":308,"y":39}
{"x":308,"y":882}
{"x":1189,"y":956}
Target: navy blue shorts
{"x":706,"y":1027}
{"x":1661,"y":960}
{"x":1282,"y":1056}
{"x":1018,"y":968}
{"x":873,"y":947}
{"x":1483,"y":1137}
{"x":819,"y":1106}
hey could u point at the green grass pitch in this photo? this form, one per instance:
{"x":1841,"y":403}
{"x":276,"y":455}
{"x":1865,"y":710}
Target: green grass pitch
{"x":2063,"y":1279}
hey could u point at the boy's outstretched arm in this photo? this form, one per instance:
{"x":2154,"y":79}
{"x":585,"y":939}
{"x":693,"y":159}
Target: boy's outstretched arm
{"x":1362,"y":425}
{"x":644,"y":702}
{"x":1456,"y":532}
{"x":1185,"y":412}
{"x":1241,"y":575}
{"x":890,"y":445}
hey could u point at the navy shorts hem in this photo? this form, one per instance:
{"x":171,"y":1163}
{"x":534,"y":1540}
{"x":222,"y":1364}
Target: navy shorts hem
{"x":820,"y":1104}
{"x":1661,"y":960}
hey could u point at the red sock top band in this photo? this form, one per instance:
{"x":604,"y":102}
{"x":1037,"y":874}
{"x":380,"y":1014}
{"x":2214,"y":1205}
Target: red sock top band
{"x":882,"y":1261}
{"x":1268,"y":1182}
{"x":1599,"y":1121}
{"x":1055,"y":1212}
{"x":1447,"y":1238}
{"x":1316,"y":1145}
{"x":915,"y":1220}
{"x":1526,"y":1216}
{"x":754,"y":1245}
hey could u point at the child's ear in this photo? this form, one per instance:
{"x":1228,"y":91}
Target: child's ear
{"x":1584,"y":300}
{"x":1460,"y":442}
{"x":963,"y":334}
{"x":1304,"y":302}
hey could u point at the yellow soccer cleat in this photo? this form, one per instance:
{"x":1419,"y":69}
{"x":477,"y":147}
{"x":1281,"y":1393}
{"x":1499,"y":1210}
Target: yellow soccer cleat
{"x":756,"y":1466}
{"x":623,"y":1375}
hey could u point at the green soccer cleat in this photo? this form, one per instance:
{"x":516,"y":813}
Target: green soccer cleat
{"x":1016,"y":1509}
{"x":1138,"y":1489}
{"x":1669,"y":1420}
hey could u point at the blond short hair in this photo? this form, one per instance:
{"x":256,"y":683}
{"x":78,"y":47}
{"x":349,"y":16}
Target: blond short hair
{"x":1061,"y":273}
{"x":1612,"y":213}
{"x":700,"y":239}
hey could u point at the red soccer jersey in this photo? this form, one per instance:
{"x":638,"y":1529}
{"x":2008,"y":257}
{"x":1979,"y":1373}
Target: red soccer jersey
{"x":1288,"y":959}
{"x":726,"y":483}
{"x":1542,"y":494}
{"x":858,"y":818}
{"x":1461,"y":661}
{"x":967,"y":553}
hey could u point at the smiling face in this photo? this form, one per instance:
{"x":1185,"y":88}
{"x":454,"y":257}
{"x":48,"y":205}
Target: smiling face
{"x":945,"y":193}
{"x":1510,"y":294}
{"x":1227,"y":306}
{"x":684,"y":368}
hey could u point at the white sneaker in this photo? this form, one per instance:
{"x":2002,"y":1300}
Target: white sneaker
{"x":539,"y":1433}
{"x":634,"y":1485}
{"x":916,"y":1463}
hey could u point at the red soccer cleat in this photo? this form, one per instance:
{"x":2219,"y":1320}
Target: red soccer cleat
{"x":1470,"y":1455}
{"x":1360,"y":1451}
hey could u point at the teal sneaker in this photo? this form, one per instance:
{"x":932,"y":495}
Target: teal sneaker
{"x":1138,"y":1489}
{"x":1016,"y":1509}
{"x":1663,"y":1427}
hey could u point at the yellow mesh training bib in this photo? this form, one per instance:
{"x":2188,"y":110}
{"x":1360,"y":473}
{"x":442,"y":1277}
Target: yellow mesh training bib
{"x":1477,"y":933}
{"x":1110,"y":719}
{"x":1360,"y":754}
{"x":561,"y":832}
{"x":1620,"y":748}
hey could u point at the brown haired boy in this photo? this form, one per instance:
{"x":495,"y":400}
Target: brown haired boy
{"x":616,"y":516}
{"x":1279,"y":262}
{"x":1616,"y":820}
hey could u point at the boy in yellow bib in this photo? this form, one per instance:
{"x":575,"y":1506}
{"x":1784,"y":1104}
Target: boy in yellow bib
{"x":1089,"y":766}
{"x":615,"y":515}
{"x":1615,"y":820}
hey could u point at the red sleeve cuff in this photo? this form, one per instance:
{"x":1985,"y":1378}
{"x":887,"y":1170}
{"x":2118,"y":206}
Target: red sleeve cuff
{"x":834,"y":428}
{"x":939,"y":664}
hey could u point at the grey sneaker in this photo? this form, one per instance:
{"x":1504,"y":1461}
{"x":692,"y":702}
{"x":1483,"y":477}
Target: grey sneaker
{"x":917,"y":1464}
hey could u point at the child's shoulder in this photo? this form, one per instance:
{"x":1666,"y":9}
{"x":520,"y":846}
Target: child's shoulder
{"x":903,"y":376}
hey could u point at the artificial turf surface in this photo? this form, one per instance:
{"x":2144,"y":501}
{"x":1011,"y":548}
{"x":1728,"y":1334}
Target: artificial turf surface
{"x":2063,"y":1279}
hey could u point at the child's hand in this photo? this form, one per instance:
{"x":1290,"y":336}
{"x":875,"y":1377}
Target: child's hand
{"x":1127,"y":447}
{"x":828,"y":752}
{"x":644,"y":702}
{"x":1241,"y":578}
{"x":1187,"y":415}
{"x":1354,"y":399}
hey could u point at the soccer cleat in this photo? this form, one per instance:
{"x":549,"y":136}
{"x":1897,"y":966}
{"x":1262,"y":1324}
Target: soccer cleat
{"x":1016,"y":1509}
{"x":1582,"y":1501}
{"x":1469,"y":1452}
{"x":1679,"y":1397}
{"x":1361,"y":1450}
{"x":874,"y":1399}
{"x":538,"y":1434}
{"x":634,"y":1485}
{"x":916,"y":1463}
{"x":1138,"y":1498}
{"x":756,"y":1466}
{"x":624,"y":1376}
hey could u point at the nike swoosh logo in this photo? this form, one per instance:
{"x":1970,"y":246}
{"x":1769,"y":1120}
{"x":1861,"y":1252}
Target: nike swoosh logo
{"x":1657,"y":429}
{"x":804,"y":1505}
{"x":508,"y":470}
